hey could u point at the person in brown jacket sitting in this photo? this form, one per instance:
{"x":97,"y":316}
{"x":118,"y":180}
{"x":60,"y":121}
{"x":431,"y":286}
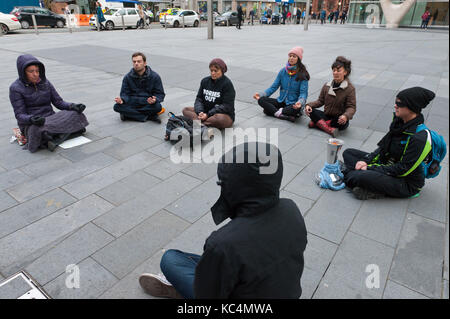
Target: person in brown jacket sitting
{"x":339,"y":99}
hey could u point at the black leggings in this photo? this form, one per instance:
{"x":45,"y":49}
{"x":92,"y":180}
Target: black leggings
{"x":373,"y":181}
{"x":317,"y":115}
{"x":270,"y":106}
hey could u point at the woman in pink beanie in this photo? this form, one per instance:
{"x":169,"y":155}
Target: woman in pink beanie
{"x":293,"y":83}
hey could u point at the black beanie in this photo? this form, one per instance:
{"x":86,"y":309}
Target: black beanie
{"x":415,"y":98}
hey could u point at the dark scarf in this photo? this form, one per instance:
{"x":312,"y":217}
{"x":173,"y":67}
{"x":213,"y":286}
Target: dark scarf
{"x":397,"y":128}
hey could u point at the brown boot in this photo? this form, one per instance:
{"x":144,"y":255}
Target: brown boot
{"x":326,"y":128}
{"x":311,"y":124}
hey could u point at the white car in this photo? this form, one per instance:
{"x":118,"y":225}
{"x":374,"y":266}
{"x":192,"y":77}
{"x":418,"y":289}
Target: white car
{"x":9,"y":22}
{"x":191,"y":18}
{"x":114,"y":18}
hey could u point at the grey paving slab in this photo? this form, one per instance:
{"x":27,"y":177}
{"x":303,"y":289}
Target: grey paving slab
{"x":420,"y":252}
{"x":201,"y":171}
{"x":18,"y":245}
{"x":86,"y":150}
{"x":108,"y":175}
{"x":124,"y":254}
{"x":45,"y":166}
{"x":446,"y":251}
{"x":11,"y":178}
{"x":304,"y":204}
{"x":57,"y":178}
{"x":351,"y":267}
{"x":381,"y":220}
{"x":71,"y":251}
{"x":396,"y":291}
{"x":128,"y":188}
{"x":14,"y":289}
{"x":197,"y":202}
{"x":133,"y":147}
{"x":6,"y":201}
{"x":332,"y":215}
{"x":27,"y":213}
{"x":290,"y":171}
{"x":303,"y":185}
{"x":319,"y":253}
{"x":164,"y":169}
{"x":299,"y":155}
{"x":445,"y":294}
{"x":130,"y":214}
{"x":309,"y":282}
{"x":94,"y":280}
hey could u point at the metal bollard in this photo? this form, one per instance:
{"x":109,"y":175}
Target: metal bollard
{"x":183,"y":23}
{"x":123,"y":23}
{"x":98,"y":24}
{"x":33,"y":17}
{"x":165,"y":22}
{"x":69,"y":23}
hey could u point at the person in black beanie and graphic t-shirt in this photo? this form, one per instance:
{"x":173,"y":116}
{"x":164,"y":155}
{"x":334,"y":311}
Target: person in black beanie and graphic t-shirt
{"x":393,"y":169}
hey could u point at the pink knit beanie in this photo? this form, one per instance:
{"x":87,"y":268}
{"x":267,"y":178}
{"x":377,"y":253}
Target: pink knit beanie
{"x":298,"y":51}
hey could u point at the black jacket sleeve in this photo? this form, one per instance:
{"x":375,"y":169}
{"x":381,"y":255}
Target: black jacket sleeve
{"x":198,"y":105}
{"x":227,"y":106}
{"x":158,"y":90}
{"x":415,"y":152}
{"x":216,"y":275}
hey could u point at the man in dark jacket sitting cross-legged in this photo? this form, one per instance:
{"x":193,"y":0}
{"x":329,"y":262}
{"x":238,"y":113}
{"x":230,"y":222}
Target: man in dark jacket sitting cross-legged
{"x":141,"y":94}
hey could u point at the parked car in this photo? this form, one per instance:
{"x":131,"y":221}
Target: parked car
{"x":228,"y":18}
{"x":113,"y":18}
{"x":44,"y":17}
{"x":191,"y":18}
{"x":167,"y":11}
{"x":204,"y":15}
{"x":9,"y":22}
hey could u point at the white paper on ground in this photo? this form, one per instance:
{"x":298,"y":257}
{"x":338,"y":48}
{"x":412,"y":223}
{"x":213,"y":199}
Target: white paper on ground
{"x":77,"y":141}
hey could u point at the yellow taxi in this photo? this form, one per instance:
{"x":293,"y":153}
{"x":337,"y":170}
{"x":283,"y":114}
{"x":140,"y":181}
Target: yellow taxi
{"x":168,"y":11}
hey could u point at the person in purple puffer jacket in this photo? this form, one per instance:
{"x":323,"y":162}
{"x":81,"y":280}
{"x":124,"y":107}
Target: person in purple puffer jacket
{"x":32,"y":96}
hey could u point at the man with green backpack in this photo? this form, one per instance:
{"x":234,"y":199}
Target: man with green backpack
{"x":405,"y":156}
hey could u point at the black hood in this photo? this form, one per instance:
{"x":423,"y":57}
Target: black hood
{"x":250,"y":176}
{"x":25,"y":61}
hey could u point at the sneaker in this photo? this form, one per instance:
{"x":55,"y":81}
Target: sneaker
{"x":363,"y":194}
{"x":122,"y":117}
{"x":158,"y":286}
{"x":154,"y":118}
{"x":311,"y":124}
{"x":51,"y":146}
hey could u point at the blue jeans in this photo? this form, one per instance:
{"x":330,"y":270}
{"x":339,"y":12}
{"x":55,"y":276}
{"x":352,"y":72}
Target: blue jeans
{"x":179,"y":269}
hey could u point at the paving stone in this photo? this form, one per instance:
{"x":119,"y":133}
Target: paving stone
{"x":332,"y":215}
{"x":14,"y":289}
{"x":27,"y":213}
{"x":77,"y":247}
{"x":45,"y":166}
{"x":6,"y":201}
{"x":13,"y":156}
{"x":197,"y":202}
{"x":11,"y":178}
{"x":94,"y":280}
{"x":133,"y":147}
{"x":164,"y":169}
{"x":20,"y":244}
{"x":201,"y":171}
{"x":319,"y":253}
{"x":57,"y":178}
{"x":123,"y":218}
{"x":128,"y":287}
{"x":303,"y":204}
{"x":82,"y":152}
{"x":298,"y":155}
{"x":381,"y":220}
{"x":336,"y":288}
{"x":310,"y":281}
{"x":107,"y":176}
{"x":420,"y":252}
{"x":350,"y":269}
{"x":445,"y":290}
{"x":126,"y":253}
{"x":128,"y":188}
{"x":396,"y":291}
{"x":446,"y":251}
{"x":303,"y":185}
{"x":290,"y":171}
{"x":430,"y":204}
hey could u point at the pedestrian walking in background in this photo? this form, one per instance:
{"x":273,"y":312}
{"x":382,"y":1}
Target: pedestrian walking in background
{"x":343,"y":17}
{"x":298,"y":15}
{"x":100,"y":16}
{"x":240,"y":17}
{"x":323,"y":15}
{"x":425,"y":19}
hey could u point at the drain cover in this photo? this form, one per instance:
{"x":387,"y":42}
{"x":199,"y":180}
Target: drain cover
{"x":21,"y":286}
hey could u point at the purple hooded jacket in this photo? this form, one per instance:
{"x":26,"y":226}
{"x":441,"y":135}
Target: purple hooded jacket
{"x":30,"y":100}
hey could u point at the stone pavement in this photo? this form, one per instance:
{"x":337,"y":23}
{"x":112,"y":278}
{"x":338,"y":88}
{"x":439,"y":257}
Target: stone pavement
{"x":112,"y":206}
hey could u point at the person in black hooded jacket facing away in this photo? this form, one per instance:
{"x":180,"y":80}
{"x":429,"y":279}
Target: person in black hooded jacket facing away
{"x":214,"y":104}
{"x":258,"y":254}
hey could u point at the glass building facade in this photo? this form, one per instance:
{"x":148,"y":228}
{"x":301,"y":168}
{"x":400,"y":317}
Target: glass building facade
{"x":369,"y":12}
